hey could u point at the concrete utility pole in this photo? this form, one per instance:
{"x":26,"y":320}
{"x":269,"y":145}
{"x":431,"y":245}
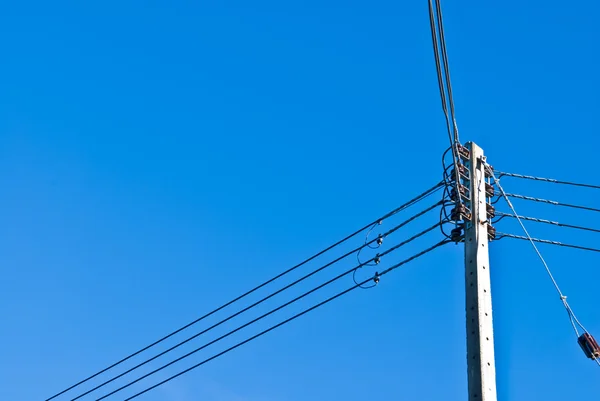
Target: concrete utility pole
{"x":480,"y":332}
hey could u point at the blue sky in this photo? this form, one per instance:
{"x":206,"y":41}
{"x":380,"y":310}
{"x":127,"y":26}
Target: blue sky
{"x":160,"y":158}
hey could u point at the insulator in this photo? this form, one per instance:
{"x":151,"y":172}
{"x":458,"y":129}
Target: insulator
{"x":491,"y":232}
{"x":463,"y":192}
{"x":489,"y":190}
{"x":490,"y":210}
{"x":463,"y":152}
{"x":462,"y":170}
{"x":456,"y":234}
{"x":459,"y":212}
{"x":489,"y":170}
{"x":589,"y":346}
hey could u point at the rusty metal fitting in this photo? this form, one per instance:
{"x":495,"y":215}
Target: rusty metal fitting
{"x":462,"y":151}
{"x":460,"y":212}
{"x":489,"y":190}
{"x":491,"y":232}
{"x":463,"y":192}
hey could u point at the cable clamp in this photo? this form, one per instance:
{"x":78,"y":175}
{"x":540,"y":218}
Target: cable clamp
{"x":379,"y":239}
{"x":377,"y":259}
{"x":376,"y":278}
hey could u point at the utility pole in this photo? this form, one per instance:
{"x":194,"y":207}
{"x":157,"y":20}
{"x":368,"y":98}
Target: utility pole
{"x":480,"y":332}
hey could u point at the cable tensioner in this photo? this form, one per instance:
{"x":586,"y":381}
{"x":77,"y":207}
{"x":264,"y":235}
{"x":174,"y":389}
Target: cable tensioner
{"x":589,"y":346}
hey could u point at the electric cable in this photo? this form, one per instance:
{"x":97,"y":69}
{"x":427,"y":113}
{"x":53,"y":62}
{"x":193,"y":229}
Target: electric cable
{"x":545,"y":241}
{"x":260,"y":334}
{"x":341,"y":275}
{"x":554,"y":223}
{"x":563,"y":298}
{"x":411,"y":202}
{"x":552,"y":202}
{"x":551,"y":180}
{"x":260,"y":301}
{"x":440,"y":23}
{"x":437,"y":28}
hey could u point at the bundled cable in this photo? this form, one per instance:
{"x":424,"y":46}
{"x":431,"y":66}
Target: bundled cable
{"x":375,"y":259}
{"x":375,"y":278}
{"x":551,"y":180}
{"x":551,"y":202}
{"x":544,"y":221}
{"x":412,"y":202}
{"x":587,"y":342}
{"x":545,"y":241}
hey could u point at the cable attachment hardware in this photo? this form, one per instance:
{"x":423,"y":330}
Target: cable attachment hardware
{"x":490,"y":210}
{"x":489,"y":190}
{"x":491,"y":232}
{"x":462,"y":151}
{"x":462,"y":170}
{"x":463,"y":193}
{"x":456,"y":234}
{"x":459,"y":212}
{"x":379,"y":239}
{"x":376,"y":278}
{"x":589,"y":346}
{"x":377,"y":259}
{"x":489,"y":171}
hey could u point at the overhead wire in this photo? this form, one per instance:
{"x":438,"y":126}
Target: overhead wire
{"x":326,"y":301}
{"x":572,"y":317}
{"x":271,"y":295}
{"x":552,"y":202}
{"x":332,"y":280}
{"x":442,"y":70}
{"x":551,"y":180}
{"x":380,"y":238}
{"x":550,"y":222}
{"x":402,"y":207}
{"x":545,"y":241}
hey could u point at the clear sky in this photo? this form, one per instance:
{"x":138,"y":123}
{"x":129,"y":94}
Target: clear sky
{"x":160,"y":157}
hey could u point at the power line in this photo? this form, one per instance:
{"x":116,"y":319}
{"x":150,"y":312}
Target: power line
{"x":341,"y":275}
{"x":260,"y":301}
{"x":554,"y":223}
{"x":440,"y":23}
{"x":442,"y":69}
{"x":563,"y":298}
{"x":411,"y":202}
{"x":529,"y":177}
{"x":545,"y":241}
{"x":397,"y":265}
{"x":551,"y":202}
